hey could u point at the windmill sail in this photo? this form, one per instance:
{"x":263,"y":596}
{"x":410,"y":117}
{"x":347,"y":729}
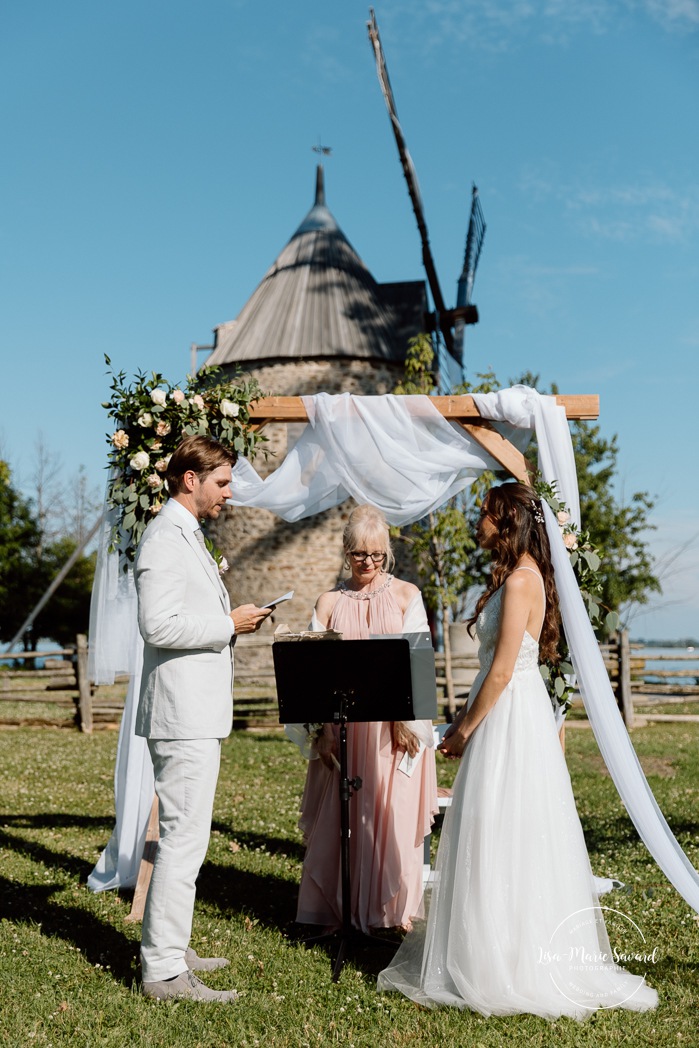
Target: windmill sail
{"x":474,"y":243}
{"x":411,"y":180}
{"x":466,"y":313}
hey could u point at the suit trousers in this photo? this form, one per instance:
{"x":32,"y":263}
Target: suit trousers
{"x":186,"y":772}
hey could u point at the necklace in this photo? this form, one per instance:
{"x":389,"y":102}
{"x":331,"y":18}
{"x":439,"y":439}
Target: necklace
{"x":365,"y":594}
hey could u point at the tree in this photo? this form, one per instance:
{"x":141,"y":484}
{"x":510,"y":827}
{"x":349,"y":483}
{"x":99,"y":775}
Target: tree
{"x":30,"y":558}
{"x":617,"y":526}
{"x":20,"y":539}
{"x":68,"y":611}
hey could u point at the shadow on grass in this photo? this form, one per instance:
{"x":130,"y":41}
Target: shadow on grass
{"x":616,"y":834}
{"x":605,"y":834}
{"x":251,"y":841}
{"x":367,"y":954}
{"x":39,"y":852}
{"x":271,"y":901}
{"x":97,"y":940}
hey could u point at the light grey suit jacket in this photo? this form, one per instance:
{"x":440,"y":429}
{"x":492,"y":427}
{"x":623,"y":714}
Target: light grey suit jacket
{"x":187,"y":682}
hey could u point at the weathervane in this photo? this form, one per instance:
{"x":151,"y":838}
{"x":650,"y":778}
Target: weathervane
{"x":322,"y":150}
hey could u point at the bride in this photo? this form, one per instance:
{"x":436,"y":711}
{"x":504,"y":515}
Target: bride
{"x":513,"y":923}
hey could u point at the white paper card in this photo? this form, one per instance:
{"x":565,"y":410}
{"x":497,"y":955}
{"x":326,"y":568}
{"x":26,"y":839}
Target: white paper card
{"x":279,"y":600}
{"x":409,"y":764}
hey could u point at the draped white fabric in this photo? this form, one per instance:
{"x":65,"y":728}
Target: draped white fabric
{"x":114,"y":637}
{"x":400,"y":454}
{"x":609,"y":729}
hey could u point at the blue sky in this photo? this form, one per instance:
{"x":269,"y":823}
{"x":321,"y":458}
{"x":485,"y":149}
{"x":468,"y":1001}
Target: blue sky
{"x":157,"y":157}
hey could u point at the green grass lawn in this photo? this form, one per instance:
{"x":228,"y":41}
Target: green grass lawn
{"x":68,"y":959}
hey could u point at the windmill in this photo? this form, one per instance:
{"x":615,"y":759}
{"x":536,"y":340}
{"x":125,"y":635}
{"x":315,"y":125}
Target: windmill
{"x":448,"y":324}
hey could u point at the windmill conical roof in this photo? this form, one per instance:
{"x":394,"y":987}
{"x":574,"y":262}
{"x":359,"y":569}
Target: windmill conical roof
{"x":317,"y":299}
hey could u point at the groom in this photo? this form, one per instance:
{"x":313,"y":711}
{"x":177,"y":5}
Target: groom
{"x":185,"y":705}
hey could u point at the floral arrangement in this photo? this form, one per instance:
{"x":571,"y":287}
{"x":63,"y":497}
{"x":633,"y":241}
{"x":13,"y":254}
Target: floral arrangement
{"x":152,"y":416}
{"x":585,"y":560}
{"x":314,"y":730}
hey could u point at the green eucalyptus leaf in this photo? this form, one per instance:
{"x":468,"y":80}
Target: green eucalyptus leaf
{"x":592,"y":559}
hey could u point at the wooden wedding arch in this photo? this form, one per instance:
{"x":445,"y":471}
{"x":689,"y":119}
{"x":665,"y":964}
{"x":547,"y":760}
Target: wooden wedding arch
{"x":461,"y":409}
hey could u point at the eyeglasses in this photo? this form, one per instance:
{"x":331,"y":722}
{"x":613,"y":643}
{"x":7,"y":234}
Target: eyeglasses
{"x":361,"y":554}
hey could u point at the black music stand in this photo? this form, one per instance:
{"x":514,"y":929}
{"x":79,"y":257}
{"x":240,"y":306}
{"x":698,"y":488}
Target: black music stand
{"x":321,"y":681}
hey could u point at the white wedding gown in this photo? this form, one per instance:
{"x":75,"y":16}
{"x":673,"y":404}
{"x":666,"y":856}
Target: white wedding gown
{"x":512,"y":923}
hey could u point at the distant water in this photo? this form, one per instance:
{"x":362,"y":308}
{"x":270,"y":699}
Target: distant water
{"x":43,"y":645}
{"x":668,"y":664}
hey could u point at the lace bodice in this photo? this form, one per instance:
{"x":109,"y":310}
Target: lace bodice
{"x":487,"y":628}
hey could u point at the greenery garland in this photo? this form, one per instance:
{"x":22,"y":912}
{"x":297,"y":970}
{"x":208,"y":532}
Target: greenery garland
{"x":152,"y":417}
{"x":585,"y":560}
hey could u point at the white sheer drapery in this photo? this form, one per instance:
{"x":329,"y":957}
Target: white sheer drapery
{"x":397,"y":453}
{"x":400,"y":454}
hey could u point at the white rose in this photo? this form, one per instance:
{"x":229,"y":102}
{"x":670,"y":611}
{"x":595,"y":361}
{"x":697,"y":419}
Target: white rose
{"x":229,"y":408}
{"x":159,"y":397}
{"x":145,"y":420}
{"x":562,"y":517}
{"x":140,"y":460}
{"x":177,"y":395}
{"x":223,"y":566}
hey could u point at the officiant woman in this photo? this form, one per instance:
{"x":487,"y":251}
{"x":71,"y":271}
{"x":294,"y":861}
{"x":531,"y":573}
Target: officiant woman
{"x":393,"y":811}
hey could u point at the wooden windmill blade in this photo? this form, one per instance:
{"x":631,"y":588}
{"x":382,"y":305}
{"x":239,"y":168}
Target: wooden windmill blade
{"x":466,"y":312}
{"x":412,"y":183}
{"x":474,"y":243}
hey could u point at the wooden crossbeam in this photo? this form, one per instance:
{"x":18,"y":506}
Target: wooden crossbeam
{"x":461,"y":408}
{"x":509,"y":457}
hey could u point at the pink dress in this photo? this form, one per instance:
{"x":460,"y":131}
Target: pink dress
{"x":389,"y":816}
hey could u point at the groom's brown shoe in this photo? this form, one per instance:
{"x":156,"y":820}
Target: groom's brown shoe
{"x":203,"y":964}
{"x":189,"y":987}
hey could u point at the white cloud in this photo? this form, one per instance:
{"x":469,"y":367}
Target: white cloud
{"x":650,"y":211}
{"x":674,"y":15}
{"x":501,"y":25}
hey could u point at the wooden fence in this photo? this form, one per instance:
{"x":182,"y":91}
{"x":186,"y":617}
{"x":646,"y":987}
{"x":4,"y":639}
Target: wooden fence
{"x":62,"y":683}
{"x":43,"y":696}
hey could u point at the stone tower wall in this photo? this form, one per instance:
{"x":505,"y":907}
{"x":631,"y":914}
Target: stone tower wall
{"x":268,"y":556}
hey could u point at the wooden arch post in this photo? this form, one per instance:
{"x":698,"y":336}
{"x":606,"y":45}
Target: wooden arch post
{"x":461,"y":409}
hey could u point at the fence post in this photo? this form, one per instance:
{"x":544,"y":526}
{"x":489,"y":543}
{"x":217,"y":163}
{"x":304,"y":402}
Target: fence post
{"x":84,"y":692}
{"x":625,"y":697}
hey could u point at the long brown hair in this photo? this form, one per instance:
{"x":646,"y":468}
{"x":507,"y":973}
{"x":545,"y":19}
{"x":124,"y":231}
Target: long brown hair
{"x":517,"y":514}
